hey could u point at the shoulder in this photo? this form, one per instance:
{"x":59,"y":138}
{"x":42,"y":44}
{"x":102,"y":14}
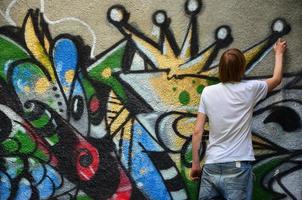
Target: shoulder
{"x":255,"y":83}
{"x":211,"y":89}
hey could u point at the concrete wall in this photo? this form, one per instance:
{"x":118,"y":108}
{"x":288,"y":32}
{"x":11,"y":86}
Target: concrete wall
{"x":98,"y":98}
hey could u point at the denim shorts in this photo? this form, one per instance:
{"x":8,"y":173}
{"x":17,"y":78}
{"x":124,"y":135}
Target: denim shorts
{"x":231,"y":181}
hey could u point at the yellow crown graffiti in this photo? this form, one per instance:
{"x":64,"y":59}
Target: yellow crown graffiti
{"x":188,"y":64}
{"x":187,"y":60}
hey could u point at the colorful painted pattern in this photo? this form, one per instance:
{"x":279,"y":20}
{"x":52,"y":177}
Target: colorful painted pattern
{"x":118,"y":126}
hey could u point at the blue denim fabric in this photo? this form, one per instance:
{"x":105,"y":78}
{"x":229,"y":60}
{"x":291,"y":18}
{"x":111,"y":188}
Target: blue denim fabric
{"x":226,"y":180}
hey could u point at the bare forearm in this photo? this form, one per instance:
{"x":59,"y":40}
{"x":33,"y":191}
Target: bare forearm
{"x":196,"y":140}
{"x":278,"y":71}
{"x":279,"y":48}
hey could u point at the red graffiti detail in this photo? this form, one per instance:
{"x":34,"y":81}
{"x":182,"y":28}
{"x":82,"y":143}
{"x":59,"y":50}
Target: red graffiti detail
{"x":94,"y":104}
{"x":87,"y":160}
{"x":125,"y":188}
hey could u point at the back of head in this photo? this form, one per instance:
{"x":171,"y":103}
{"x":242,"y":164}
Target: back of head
{"x":231,"y":66}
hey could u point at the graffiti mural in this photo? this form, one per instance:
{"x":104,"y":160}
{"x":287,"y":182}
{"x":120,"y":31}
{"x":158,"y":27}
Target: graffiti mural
{"x":118,"y":125}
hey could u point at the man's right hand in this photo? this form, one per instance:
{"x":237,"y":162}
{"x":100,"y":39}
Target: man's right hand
{"x":195,"y":172}
{"x":280,"y":46}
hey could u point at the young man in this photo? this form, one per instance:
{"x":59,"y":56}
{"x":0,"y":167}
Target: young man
{"x":229,"y":107}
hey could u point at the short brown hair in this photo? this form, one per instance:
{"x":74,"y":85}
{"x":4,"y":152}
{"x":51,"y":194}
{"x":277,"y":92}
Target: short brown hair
{"x":231,"y":66}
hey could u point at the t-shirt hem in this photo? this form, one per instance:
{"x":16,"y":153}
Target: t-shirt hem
{"x":229,"y":160}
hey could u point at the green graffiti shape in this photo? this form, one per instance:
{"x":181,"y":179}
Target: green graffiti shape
{"x":184,"y":97}
{"x":109,"y":63}
{"x":9,"y":52}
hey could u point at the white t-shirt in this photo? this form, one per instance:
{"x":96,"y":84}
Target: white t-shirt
{"x":229,"y":107}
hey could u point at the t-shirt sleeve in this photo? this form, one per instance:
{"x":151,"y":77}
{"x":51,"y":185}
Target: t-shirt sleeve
{"x":202,"y":108}
{"x":260,"y":89}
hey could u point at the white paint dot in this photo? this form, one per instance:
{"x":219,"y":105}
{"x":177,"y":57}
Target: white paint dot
{"x":116,"y":15}
{"x":193,"y":5}
{"x":278,"y":26}
{"x":160,"y":18}
{"x":222,"y":33}
{"x":2,"y":179}
{"x":31,"y":107}
{"x":140,"y":185}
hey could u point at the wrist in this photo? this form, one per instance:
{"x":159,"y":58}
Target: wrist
{"x":279,"y":54}
{"x":195,"y":163}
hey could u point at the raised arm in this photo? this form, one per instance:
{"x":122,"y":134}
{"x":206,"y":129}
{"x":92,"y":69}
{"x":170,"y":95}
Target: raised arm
{"x":279,"y":48}
{"x":196,"y":140}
